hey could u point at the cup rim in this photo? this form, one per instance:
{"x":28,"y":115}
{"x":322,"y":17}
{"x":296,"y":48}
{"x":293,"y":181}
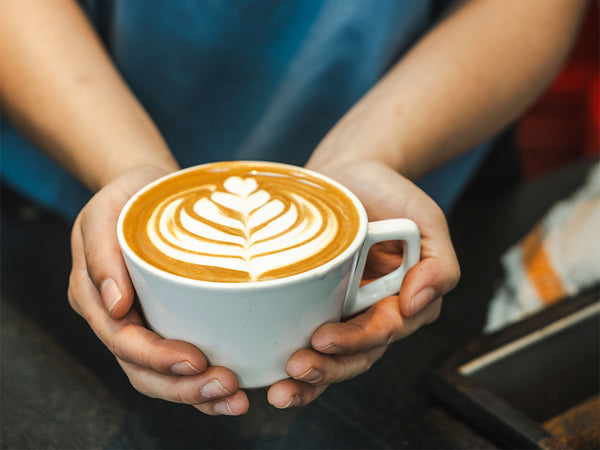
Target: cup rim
{"x":245,"y":285}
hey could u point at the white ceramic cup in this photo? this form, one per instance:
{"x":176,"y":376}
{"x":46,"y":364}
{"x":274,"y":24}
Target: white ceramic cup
{"x":253,"y":328}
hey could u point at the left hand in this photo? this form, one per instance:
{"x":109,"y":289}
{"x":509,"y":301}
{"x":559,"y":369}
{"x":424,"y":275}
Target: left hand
{"x":343,"y":350}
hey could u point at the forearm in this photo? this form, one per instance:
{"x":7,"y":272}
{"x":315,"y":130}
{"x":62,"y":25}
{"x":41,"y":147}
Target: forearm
{"x":60,"y":88}
{"x":467,"y":79}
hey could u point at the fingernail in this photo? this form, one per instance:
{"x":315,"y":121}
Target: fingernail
{"x":184,"y":368}
{"x":311,"y":375}
{"x":294,"y":401}
{"x":223,"y":408}
{"x":214,"y":389}
{"x":110,"y":293}
{"x":329,"y":348}
{"x":421,"y":300}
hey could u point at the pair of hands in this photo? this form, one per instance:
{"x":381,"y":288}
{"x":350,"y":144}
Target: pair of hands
{"x":101,"y":292}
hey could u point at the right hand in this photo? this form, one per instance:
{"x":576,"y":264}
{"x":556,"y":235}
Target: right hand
{"x":100,"y":290}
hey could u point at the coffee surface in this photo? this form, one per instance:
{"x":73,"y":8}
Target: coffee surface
{"x":240,"y":221}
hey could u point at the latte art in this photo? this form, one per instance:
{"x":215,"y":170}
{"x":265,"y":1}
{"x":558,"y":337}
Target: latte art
{"x":243,"y":228}
{"x":238,"y":222}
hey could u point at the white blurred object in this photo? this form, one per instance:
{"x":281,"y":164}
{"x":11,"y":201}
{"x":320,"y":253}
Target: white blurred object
{"x":558,"y":258}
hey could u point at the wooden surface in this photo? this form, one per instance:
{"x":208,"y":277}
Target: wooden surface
{"x":578,"y":427}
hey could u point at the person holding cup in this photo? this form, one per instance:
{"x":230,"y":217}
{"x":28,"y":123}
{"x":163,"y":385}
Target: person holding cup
{"x":383,"y":95}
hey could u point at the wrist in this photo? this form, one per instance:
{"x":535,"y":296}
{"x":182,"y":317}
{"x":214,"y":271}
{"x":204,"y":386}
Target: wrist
{"x":360,"y":137}
{"x":161,"y":164}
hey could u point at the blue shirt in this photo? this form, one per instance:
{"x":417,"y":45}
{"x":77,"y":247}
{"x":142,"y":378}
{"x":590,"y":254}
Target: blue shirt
{"x":245,"y":79}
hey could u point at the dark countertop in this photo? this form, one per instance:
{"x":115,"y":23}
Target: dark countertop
{"x":61,"y":388}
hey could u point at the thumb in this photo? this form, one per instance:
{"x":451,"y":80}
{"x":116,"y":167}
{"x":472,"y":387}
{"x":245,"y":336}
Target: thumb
{"x":427,"y":281}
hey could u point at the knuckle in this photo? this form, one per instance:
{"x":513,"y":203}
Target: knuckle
{"x":75,"y":289}
{"x":136,"y":384}
{"x":75,"y":235}
{"x":350,"y":369}
{"x":124,"y":343}
{"x":96,"y":324}
{"x":92,"y":259}
{"x":181,"y":397}
{"x":114,"y":344}
{"x":455,"y":275}
{"x":71,"y":296}
{"x":373,"y":357}
{"x":438,"y":309}
{"x":457,"y":272}
{"x":140,"y":387}
{"x":83,"y":216}
{"x":360,"y":327}
{"x":366,"y":365}
{"x":189,"y":397}
{"x":390,"y":335}
{"x":390,"y":330}
{"x":117,"y":343}
{"x":109,"y":342}
{"x":356,"y":365}
{"x":77,"y":223}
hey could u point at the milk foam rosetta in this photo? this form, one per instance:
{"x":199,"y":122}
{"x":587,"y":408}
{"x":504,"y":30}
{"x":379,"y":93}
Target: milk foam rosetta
{"x":233,"y":222}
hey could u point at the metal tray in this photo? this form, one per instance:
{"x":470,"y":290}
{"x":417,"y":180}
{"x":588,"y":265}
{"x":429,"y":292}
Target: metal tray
{"x":518,"y":384}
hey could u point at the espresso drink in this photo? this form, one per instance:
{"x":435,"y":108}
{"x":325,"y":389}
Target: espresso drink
{"x":240,"y":221}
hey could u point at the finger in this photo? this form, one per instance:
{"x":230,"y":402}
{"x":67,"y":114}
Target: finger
{"x":435,"y":275}
{"x":98,"y":227}
{"x":134,"y":343}
{"x":214,"y":383}
{"x":311,"y":372}
{"x":290,"y":393}
{"x":83,"y":296}
{"x":127,"y":338}
{"x":103,"y":258}
{"x":130,"y":341}
{"x":429,"y":280}
{"x":435,"y":310}
{"x":380,"y":325}
{"x":235,"y":405}
{"x":438,"y":272}
{"x":318,"y":369}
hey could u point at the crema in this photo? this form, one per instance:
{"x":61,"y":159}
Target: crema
{"x":240,"y":222}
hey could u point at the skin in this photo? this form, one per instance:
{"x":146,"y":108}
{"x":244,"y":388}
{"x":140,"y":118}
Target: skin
{"x":465,"y":80}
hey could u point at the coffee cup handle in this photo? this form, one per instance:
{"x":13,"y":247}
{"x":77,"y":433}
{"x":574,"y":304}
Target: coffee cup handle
{"x":361,"y":297}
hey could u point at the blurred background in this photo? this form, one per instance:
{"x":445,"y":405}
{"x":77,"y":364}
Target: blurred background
{"x":60,"y":388}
